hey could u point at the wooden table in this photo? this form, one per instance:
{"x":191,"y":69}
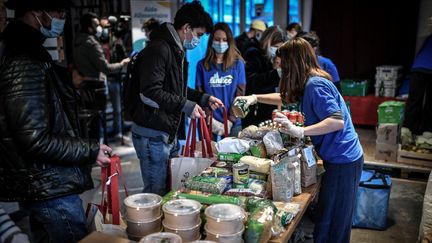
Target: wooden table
{"x":304,"y":200}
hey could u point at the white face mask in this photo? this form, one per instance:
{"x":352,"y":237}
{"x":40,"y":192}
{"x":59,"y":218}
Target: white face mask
{"x":99,"y":31}
{"x":279,"y":71}
{"x":272,"y":51}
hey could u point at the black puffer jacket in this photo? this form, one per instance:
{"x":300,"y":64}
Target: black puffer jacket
{"x":162,"y":71}
{"x":41,"y":156}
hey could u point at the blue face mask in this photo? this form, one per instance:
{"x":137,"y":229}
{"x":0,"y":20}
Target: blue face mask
{"x":191,"y":44}
{"x":57,"y":26}
{"x":273,"y":51}
{"x":220,"y":47}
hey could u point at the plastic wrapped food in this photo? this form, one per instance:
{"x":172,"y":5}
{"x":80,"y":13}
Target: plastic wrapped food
{"x":249,"y":132}
{"x":258,"y":149}
{"x":259,"y":225}
{"x":253,"y":203}
{"x":257,"y":164}
{"x":273,"y":142}
{"x":257,"y":184}
{"x":232,"y":145}
{"x":245,"y":192}
{"x":210,"y":198}
{"x":207,"y":184}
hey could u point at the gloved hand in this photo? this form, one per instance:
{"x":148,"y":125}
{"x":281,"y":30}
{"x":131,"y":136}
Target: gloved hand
{"x":250,"y":99}
{"x":288,"y":127}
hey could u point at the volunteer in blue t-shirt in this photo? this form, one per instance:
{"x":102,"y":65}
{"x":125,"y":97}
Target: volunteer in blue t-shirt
{"x":328,"y":123}
{"x":222,"y":74}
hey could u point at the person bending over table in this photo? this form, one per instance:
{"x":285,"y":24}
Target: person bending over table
{"x":328,"y":123}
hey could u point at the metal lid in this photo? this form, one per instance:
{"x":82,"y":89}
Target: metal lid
{"x":224,"y":212}
{"x":143,"y":200}
{"x":163,"y":237}
{"x":181,"y":207}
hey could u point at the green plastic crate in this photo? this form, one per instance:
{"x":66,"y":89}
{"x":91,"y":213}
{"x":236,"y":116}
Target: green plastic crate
{"x":353,"y":88}
{"x":391,"y":112}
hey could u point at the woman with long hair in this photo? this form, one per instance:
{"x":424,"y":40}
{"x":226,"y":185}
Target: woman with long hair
{"x":262,"y":75}
{"x":222,"y":74}
{"x":328,"y":123}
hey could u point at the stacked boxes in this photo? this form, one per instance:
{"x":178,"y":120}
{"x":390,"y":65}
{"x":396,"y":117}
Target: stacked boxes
{"x":387,"y":79}
{"x":390,"y":116}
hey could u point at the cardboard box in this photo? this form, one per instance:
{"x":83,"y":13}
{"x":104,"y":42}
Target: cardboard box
{"x":387,"y":152}
{"x":388,"y":133}
{"x":391,"y":112}
{"x":98,"y":237}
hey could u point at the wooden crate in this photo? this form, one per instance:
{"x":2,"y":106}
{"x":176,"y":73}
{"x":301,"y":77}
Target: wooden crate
{"x":414,"y":158}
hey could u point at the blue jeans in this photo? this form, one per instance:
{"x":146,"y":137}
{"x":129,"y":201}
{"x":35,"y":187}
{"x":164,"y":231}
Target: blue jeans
{"x":336,"y":202}
{"x":56,"y":220}
{"x":154,"y":151}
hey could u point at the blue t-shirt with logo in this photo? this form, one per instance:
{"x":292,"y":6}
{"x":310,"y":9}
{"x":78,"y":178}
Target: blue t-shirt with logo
{"x":221,"y":84}
{"x":321,"y":100}
{"x":327,"y":65}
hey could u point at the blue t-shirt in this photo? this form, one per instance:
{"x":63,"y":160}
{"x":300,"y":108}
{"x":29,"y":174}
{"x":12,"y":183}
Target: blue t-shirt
{"x":423,"y":60}
{"x":327,"y":65}
{"x":322,"y":99}
{"x":221,"y":84}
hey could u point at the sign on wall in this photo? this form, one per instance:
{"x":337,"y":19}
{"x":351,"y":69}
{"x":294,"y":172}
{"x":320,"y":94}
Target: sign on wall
{"x":141,"y":11}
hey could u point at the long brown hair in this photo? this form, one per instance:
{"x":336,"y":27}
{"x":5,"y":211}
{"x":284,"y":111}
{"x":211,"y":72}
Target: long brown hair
{"x":298,"y":62}
{"x":230,"y":56}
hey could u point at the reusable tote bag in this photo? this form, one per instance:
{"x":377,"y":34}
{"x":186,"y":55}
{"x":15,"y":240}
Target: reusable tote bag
{"x":372,"y":201}
{"x":188,"y":165}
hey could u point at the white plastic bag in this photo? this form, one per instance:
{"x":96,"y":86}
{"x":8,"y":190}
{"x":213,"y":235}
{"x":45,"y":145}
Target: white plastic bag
{"x":183,"y":168}
{"x":233,"y":145}
{"x":273,"y":142}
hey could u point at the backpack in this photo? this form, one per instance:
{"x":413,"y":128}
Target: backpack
{"x":131,"y":88}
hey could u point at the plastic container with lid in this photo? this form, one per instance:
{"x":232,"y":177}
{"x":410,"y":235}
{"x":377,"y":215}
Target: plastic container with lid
{"x":163,"y":237}
{"x":225,"y":218}
{"x":145,"y":227}
{"x":225,"y":238}
{"x":203,"y":241}
{"x":143,"y":207}
{"x":187,"y":235}
{"x":182,"y":213}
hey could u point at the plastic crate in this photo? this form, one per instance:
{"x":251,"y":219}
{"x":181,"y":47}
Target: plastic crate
{"x":391,"y":112}
{"x":388,"y":91}
{"x":388,"y":72}
{"x":354,"y":88}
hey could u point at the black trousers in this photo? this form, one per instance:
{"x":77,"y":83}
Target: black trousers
{"x":418,"y":110}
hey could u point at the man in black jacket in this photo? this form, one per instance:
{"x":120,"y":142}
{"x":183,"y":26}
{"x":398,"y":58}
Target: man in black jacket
{"x":161,"y":69}
{"x":44,"y":164}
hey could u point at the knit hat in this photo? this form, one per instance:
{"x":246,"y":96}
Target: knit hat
{"x":259,"y":25}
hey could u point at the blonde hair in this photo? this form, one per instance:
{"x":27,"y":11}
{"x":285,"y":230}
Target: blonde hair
{"x":272,"y":36}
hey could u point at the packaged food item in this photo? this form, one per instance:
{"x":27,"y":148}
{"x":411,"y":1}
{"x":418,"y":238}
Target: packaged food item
{"x":258,"y":149}
{"x":282,"y":178}
{"x":225,"y":218}
{"x":257,"y":164}
{"x":232,"y":145}
{"x":207,"y":184}
{"x":249,"y":132}
{"x":297,"y":176}
{"x":259,"y":225}
{"x":229,"y":157}
{"x":245,"y":192}
{"x":273,"y":142}
{"x":258,"y":176}
{"x":240,"y":173}
{"x":143,"y":207}
{"x":308,"y":167}
{"x":256,"y":184}
{"x":210,"y":198}
{"x":240,"y":108}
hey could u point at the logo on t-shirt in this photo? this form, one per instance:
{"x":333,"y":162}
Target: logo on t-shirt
{"x":216,"y":81}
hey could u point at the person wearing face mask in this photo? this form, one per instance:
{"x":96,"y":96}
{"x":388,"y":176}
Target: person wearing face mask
{"x":44,"y":164}
{"x":164,"y":97}
{"x":262,"y":75}
{"x":221,"y":73}
{"x":88,"y":54}
{"x":252,"y":37}
{"x":89,"y":59}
